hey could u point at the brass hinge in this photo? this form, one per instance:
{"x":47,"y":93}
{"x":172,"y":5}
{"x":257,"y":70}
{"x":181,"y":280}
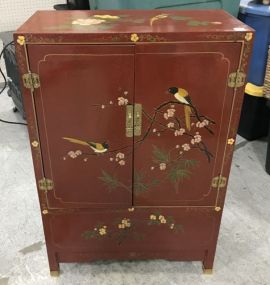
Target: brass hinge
{"x":219,"y":182}
{"x":45,"y":184}
{"x":31,"y":80}
{"x":236,"y":79}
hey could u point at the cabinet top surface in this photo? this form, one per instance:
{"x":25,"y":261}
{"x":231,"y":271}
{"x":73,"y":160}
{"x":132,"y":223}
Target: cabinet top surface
{"x":132,"y":21}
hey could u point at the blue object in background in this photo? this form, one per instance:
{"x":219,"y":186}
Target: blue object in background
{"x":257,"y":16}
{"x":231,"y":6}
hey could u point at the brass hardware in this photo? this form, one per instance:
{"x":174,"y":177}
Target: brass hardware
{"x":138,"y":120}
{"x":31,"y":80}
{"x":45,"y":212}
{"x":236,"y":79}
{"x":217,"y":209}
{"x":129,"y":121}
{"x":45,"y":184}
{"x":134,"y":38}
{"x":21,"y":40}
{"x":207,"y":271}
{"x":55,"y":273}
{"x":219,"y":182}
{"x":230,"y":141}
{"x":35,"y":143}
{"x":248,"y":37}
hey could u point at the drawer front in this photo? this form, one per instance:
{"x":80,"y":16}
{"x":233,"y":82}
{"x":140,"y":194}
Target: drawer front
{"x":134,"y":230}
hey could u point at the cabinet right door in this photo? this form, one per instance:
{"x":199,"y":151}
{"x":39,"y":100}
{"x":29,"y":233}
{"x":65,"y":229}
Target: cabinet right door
{"x":186,"y":113}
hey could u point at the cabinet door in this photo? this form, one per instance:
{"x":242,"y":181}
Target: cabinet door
{"x":81,"y":113}
{"x":186,"y":103}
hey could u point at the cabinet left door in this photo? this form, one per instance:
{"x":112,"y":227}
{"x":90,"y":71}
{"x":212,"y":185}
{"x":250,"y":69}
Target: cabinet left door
{"x":81,"y":109}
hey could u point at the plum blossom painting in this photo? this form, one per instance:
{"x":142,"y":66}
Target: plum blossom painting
{"x":173,"y":163}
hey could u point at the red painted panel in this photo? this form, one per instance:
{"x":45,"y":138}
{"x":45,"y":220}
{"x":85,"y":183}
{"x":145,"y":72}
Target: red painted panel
{"x":81,"y":112}
{"x":182,"y":143}
{"x":134,"y":231}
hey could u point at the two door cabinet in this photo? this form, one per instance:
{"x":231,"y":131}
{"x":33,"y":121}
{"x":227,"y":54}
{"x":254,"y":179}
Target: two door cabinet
{"x":132,"y":118}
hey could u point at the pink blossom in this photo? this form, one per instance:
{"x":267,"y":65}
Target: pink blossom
{"x":78,"y":152}
{"x":170,"y":112}
{"x":72,"y":154}
{"x":197,"y":138}
{"x":120,"y":155}
{"x":166,"y":117}
{"x":170,"y":125}
{"x":154,"y":130}
{"x":162,"y":166}
{"x":177,"y":146}
{"x":152,"y":168}
{"x":111,"y":158}
{"x":122,"y":162}
{"x":186,"y":147}
{"x":179,"y":132}
{"x":122,"y":101}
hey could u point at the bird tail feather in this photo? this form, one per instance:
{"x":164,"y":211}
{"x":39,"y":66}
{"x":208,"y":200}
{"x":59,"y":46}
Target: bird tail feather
{"x":75,"y":141}
{"x":188,"y":111}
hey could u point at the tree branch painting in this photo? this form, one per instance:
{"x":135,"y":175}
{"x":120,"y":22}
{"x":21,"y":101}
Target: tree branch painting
{"x":187,"y":129}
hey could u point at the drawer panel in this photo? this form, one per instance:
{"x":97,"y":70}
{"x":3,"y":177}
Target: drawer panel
{"x":133,"y":230}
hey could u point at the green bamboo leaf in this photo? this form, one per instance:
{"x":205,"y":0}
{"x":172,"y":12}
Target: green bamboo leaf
{"x":197,"y":23}
{"x":111,"y":182}
{"x":189,"y":163}
{"x":180,"y":18}
{"x":160,"y":155}
{"x":140,"y":185}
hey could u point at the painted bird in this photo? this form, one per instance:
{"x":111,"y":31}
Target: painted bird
{"x":182,"y":96}
{"x":96,"y":147}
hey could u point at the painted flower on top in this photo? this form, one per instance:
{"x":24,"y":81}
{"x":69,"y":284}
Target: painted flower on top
{"x":21,"y":40}
{"x":134,"y":38}
{"x":109,"y":17}
{"x":87,"y":22}
{"x":122,"y":101}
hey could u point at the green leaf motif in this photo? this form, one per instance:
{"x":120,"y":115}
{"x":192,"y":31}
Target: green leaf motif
{"x":140,"y":185}
{"x":194,"y":23}
{"x":180,"y":18}
{"x":180,"y":170}
{"x":111,"y":182}
{"x":160,"y":155}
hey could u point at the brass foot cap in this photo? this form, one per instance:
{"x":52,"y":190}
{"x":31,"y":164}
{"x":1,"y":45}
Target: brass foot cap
{"x":207,"y":271}
{"x":55,"y":273}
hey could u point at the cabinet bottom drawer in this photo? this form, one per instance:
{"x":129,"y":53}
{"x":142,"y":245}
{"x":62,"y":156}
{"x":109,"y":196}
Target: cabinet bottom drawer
{"x":131,"y":233}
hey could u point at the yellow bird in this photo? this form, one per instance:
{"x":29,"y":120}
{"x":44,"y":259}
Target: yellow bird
{"x":182,"y":96}
{"x":96,"y":147}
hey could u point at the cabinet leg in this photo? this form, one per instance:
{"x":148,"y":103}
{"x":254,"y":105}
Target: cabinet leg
{"x":208,"y":263}
{"x":54,"y":265}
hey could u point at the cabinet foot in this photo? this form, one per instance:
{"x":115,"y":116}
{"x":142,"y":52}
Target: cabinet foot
{"x":207,"y":271}
{"x":55,"y":273}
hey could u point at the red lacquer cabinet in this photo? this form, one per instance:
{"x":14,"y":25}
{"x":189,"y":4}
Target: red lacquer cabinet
{"x":132,"y":117}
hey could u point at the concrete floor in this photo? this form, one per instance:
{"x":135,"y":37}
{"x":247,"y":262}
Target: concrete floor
{"x":243,"y":252}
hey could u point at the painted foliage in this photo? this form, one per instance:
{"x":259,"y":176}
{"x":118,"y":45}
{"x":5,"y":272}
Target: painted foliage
{"x":107,"y":22}
{"x":172,"y":164}
{"x":126,"y":228}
